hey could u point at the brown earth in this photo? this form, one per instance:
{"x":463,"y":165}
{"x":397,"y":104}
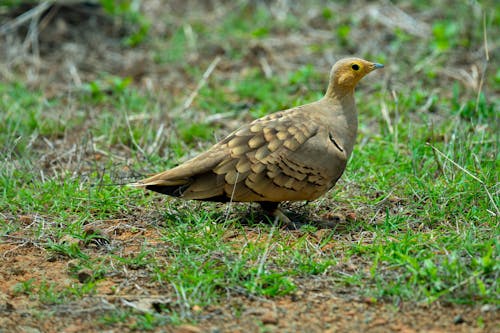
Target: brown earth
{"x":315,"y":307}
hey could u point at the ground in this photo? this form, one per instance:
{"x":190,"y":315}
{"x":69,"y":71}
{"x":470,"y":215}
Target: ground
{"x":318,"y":306}
{"x":94,"y":98}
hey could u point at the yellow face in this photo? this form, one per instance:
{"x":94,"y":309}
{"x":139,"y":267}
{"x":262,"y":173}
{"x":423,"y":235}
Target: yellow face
{"x":363,"y":66}
{"x":356,"y":66}
{"x":347,"y":72}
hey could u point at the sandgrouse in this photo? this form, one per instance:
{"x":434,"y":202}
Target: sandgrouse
{"x":291,"y":155}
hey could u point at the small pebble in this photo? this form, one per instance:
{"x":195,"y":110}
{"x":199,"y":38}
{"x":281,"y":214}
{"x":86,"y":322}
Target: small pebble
{"x":73,"y":264}
{"x":69,"y":240}
{"x":9,"y":307}
{"x":487,"y":308}
{"x":28,"y":329}
{"x":187,"y":329}
{"x":26,"y":219}
{"x":269,"y":318}
{"x":458,"y":320}
{"x":85,"y":275}
{"x":351,"y":217}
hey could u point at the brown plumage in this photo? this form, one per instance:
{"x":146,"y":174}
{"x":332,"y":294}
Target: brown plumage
{"x":295,"y":154}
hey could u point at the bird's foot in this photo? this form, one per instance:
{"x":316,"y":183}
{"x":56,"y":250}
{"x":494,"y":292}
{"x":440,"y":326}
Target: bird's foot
{"x":272,"y":210}
{"x":327,"y":221}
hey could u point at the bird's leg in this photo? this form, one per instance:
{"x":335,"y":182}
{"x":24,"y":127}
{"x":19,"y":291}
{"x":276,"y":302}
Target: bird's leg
{"x":272,"y":209}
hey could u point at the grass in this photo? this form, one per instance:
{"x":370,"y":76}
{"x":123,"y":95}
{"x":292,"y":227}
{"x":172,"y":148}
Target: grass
{"x":423,"y":181}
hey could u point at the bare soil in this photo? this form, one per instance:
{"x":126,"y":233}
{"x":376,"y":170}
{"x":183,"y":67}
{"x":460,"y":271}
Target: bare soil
{"x":314,"y":307}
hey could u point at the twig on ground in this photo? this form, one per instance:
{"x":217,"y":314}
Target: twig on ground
{"x":385,"y":115}
{"x":104,"y":306}
{"x":32,"y":14}
{"x":485,"y":63}
{"x":263,"y":258}
{"x":467,"y":172}
{"x":21,"y":241}
{"x":201,"y":83}
{"x":396,"y":118}
{"x":158,"y":139}
{"x":132,"y":137}
{"x":268,"y":72}
{"x":438,"y":162}
{"x":485,"y":37}
{"x":228,"y":206}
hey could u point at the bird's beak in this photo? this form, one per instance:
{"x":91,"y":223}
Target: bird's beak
{"x":377,"y":65}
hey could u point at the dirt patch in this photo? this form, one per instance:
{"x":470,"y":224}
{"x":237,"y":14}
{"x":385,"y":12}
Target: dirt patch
{"x":316,"y":306}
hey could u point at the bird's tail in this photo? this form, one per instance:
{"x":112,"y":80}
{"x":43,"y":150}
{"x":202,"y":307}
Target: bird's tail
{"x":136,"y":184}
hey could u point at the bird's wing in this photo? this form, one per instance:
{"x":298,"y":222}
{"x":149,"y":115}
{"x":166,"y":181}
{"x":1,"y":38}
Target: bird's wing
{"x":284,"y":156}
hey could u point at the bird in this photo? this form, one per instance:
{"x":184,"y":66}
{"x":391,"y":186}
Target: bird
{"x":296,"y":154}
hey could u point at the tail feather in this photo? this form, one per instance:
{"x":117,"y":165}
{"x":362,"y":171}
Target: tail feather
{"x":200,"y":187}
{"x":175,"y":191}
{"x":170,"y":187}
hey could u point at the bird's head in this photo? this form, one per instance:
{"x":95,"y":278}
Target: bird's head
{"x":346,"y":73}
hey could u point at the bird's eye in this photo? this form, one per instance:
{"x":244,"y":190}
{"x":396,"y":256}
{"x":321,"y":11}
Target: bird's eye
{"x":355,"y":67}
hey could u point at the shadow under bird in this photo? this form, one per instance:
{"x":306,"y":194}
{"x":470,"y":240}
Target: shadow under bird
{"x":291,"y":155}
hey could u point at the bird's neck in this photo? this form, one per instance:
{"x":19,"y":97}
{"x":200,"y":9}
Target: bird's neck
{"x":338,"y":91}
{"x":344,"y":106}
{"x":345,"y":116}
